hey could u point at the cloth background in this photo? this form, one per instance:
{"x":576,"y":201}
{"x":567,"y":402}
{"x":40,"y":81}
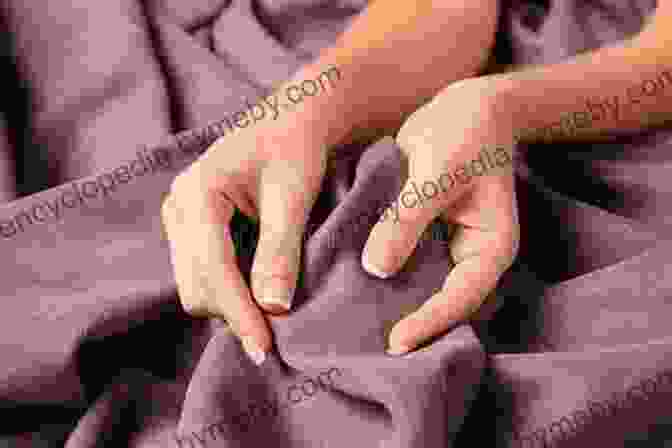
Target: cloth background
{"x":95,"y":350}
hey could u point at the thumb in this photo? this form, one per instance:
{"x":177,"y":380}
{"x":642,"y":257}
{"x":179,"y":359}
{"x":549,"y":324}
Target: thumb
{"x":286,"y":195}
{"x":392,"y":241}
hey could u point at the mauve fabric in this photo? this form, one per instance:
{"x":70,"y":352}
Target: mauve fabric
{"x":96,"y":352}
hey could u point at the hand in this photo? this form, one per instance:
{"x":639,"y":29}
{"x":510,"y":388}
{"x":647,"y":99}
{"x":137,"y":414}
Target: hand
{"x":457,"y":135}
{"x":271,"y":173}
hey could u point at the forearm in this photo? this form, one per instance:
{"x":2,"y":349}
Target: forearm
{"x":620,"y":88}
{"x":394,"y":57}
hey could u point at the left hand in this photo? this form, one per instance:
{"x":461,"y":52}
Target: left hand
{"x":445,"y":142}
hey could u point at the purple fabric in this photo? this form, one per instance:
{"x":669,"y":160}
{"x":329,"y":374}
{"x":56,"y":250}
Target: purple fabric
{"x":95,"y":350}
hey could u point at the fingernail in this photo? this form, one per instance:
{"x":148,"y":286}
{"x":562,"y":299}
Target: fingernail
{"x":373,"y":270}
{"x":279,"y":300}
{"x":255,"y":353}
{"x":282,"y":302}
{"x":399,"y":350}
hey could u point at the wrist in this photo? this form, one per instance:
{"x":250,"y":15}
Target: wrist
{"x":308,"y":108}
{"x":497,"y":104}
{"x":294,"y":131}
{"x":510,"y":111}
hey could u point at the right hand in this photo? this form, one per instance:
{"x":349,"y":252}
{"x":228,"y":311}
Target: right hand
{"x":442,"y":142}
{"x":271,"y":173}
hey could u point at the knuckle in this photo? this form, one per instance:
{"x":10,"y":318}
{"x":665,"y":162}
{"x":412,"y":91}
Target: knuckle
{"x":186,"y":190}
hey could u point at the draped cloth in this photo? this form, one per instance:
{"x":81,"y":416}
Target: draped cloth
{"x":109,"y":101}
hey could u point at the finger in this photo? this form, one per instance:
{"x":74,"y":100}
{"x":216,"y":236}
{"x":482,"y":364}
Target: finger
{"x":214,"y":272}
{"x":182,"y":260}
{"x":481,"y":258}
{"x":230,"y":294}
{"x":286,"y":196}
{"x":392,"y":241}
{"x":464,"y":290}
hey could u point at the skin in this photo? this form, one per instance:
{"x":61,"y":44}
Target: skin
{"x":479,"y":210}
{"x":436,"y":138}
{"x":274,"y":175}
{"x":499,"y":110}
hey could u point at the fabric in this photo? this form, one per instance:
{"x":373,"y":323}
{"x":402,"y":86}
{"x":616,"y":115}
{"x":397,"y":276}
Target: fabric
{"x":112,"y":99}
